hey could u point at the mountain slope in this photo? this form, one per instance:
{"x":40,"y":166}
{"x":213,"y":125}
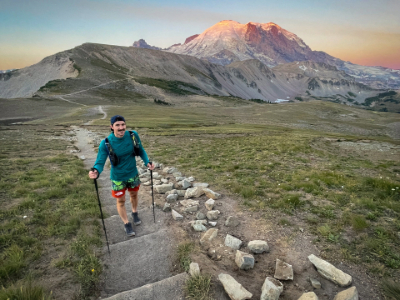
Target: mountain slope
{"x":229,"y":41}
{"x":108,"y":71}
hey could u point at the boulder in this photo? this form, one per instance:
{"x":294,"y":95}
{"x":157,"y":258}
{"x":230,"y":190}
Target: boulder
{"x":213,"y":224}
{"x":171,"y":192}
{"x":232,"y":221}
{"x":156,"y":175}
{"x":172,"y":170}
{"x":258,"y":246}
{"x":194,"y":269}
{"x":209,"y":235}
{"x":330,"y":272}
{"x":315,"y":283}
{"x":213,"y":214}
{"x":185,"y":184}
{"x":167,"y":207}
{"x":308,"y":296}
{"x":201,"y":184}
{"x":176,"y":215}
{"x":283,"y":271}
{"x":162,"y":189}
{"x":210,"y":194}
{"x":233,"y":288}
{"x":349,"y":294}
{"x":189,"y":205}
{"x":177,"y":174}
{"x":232,"y":242}
{"x":191,"y":179}
{"x":199,"y":227}
{"x":271,"y":289}
{"x":166,"y":169}
{"x":181,"y":193}
{"x":172,"y":198}
{"x":179,"y":178}
{"x":194,"y":192}
{"x":244,"y":260}
{"x":163,"y":180}
{"x":200,"y":216}
{"x":209,"y":204}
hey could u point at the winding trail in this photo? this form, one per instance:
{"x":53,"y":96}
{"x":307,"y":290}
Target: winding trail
{"x":139,"y":267}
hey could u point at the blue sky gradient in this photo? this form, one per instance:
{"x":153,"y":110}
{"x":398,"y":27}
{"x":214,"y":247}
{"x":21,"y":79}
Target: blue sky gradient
{"x":362,"y":31}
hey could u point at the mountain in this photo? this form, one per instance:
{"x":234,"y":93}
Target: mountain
{"x":142,"y":44}
{"x":95,"y":71}
{"x":229,"y":41}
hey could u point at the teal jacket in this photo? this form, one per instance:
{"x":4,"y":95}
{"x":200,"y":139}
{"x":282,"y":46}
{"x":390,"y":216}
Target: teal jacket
{"x":123,"y":148}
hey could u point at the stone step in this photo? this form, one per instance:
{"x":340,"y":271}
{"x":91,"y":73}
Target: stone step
{"x":115,"y":226}
{"x":137,"y":262}
{"x":167,"y":289}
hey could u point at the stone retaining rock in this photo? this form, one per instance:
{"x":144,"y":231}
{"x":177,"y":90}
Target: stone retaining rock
{"x":194,"y":269}
{"x":232,"y":242}
{"x":213,"y":224}
{"x":209,"y":204}
{"x":189,"y":205}
{"x":201,"y":184}
{"x":172,"y":198}
{"x":209,"y":235}
{"x":283,"y":271}
{"x":213,"y":214}
{"x":271,"y":289}
{"x":185,"y":184}
{"x":176,"y":215}
{"x":200,"y":216}
{"x":258,"y":246}
{"x":167,"y":207}
{"x":330,"y":272}
{"x":315,"y":283}
{"x":349,"y":294}
{"x":233,"y":288}
{"x":244,"y":260}
{"x":194,"y":192}
{"x":211,"y":194}
{"x":163,"y":180}
{"x":232,"y":221}
{"x":162,"y":189}
{"x":308,"y":296}
{"x":171,"y":192}
{"x":199,"y":227}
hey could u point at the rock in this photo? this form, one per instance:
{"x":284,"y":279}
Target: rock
{"x":171,"y":192}
{"x":177,"y":174}
{"x":271,"y":289}
{"x":179,"y":178}
{"x":233,"y":288}
{"x":166,"y":169}
{"x":194,"y":192}
{"x":163,"y":180}
{"x":189,"y":202}
{"x":330,"y":272}
{"x":213,"y":254}
{"x":181,"y":193}
{"x":75,"y":151}
{"x":201,"y":184}
{"x":147,"y":174}
{"x":315,"y":283}
{"x":161,"y":166}
{"x":162,"y":189}
{"x":172,"y":170}
{"x":185,"y":184}
{"x":203,"y":222}
{"x":191,"y":179}
{"x":213,"y":224}
{"x":232,"y":221}
{"x":82,"y":157}
{"x":200,"y":216}
{"x":157,"y":182}
{"x":199,"y":227}
{"x":176,"y":215}
{"x":258,"y":246}
{"x":209,"y":204}
{"x":232,"y":242}
{"x":190,"y":209}
{"x":140,"y":170}
{"x":156,"y":175}
{"x":244,"y":260}
{"x":210,"y":194}
{"x":194,"y":269}
{"x":172,"y":198}
{"x":167,"y":207}
{"x":209,"y":235}
{"x":147,"y":183}
{"x":308,"y":296}
{"x":213,"y":214}
{"x":349,"y":294}
{"x":283,"y":271}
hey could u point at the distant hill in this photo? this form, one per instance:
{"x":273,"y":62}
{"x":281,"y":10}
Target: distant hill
{"x":95,"y":69}
{"x":229,"y":41}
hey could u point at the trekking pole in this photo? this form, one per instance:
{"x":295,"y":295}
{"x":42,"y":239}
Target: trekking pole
{"x":101,"y":212}
{"x":152,"y":193}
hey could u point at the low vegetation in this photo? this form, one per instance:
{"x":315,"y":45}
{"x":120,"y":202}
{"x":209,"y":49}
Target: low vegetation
{"x":48,"y":219}
{"x":174,"y":87}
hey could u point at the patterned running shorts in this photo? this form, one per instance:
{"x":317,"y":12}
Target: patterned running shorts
{"x":119,"y":187}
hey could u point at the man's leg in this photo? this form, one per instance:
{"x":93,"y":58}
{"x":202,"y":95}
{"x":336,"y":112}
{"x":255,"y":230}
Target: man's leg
{"x":134,"y":200}
{"x":121,"y":209}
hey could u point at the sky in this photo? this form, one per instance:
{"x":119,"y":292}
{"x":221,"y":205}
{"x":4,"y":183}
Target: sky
{"x":365,"y":32}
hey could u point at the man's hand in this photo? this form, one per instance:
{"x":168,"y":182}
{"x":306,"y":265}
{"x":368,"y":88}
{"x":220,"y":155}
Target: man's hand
{"x":93,"y":174}
{"x":151,"y":166}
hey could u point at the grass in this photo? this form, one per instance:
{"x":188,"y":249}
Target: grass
{"x":48,"y":206}
{"x":26,"y":290}
{"x":184,"y":250}
{"x":174,"y":87}
{"x":198,"y":287}
{"x":391,"y":289}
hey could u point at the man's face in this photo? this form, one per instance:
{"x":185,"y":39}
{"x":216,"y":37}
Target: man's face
{"x":119,"y":128}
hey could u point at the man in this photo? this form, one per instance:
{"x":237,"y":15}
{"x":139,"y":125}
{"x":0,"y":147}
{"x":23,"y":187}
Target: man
{"x":124,"y":174}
